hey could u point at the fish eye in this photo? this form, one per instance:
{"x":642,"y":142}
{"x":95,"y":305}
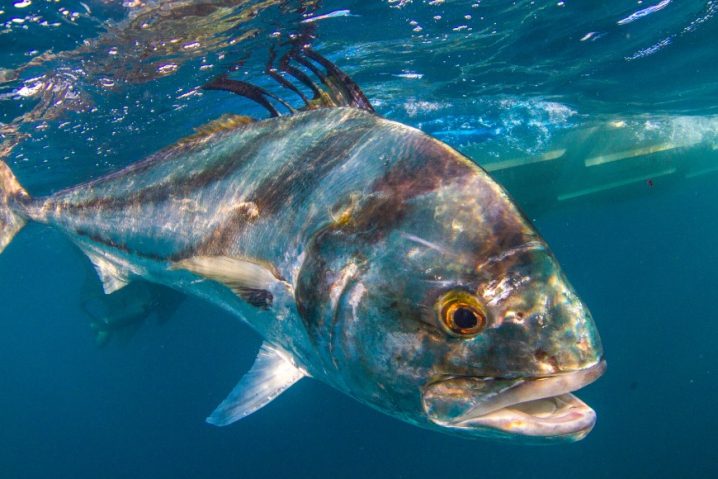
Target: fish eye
{"x":461,"y":314}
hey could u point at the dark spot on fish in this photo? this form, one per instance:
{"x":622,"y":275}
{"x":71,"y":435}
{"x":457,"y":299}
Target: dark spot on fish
{"x":259,"y":298}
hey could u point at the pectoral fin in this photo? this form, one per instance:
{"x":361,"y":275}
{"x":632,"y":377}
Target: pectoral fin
{"x":250,"y":280}
{"x":272,"y":373}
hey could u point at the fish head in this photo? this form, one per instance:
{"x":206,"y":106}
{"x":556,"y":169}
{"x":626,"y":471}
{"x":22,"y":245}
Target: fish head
{"x":456,"y":316}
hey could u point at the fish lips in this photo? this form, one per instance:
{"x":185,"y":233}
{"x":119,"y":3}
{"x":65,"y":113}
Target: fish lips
{"x":537,"y":409}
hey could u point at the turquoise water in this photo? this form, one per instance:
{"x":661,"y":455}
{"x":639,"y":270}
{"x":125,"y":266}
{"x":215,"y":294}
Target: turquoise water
{"x":617,"y":100}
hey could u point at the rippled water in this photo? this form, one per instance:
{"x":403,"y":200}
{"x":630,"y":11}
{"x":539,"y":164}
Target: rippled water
{"x":599,"y":117}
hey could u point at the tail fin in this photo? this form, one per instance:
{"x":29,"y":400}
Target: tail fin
{"x":11,"y":193}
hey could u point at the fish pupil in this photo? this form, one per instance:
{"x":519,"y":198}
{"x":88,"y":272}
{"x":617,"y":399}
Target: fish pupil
{"x":464,"y":318}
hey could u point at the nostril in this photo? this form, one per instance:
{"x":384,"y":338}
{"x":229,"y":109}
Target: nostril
{"x":547,"y":362}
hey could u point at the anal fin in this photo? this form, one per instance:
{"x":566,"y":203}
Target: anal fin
{"x":271,"y":374}
{"x":112,"y":275}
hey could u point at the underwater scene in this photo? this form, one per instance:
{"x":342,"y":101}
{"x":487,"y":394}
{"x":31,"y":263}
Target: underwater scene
{"x":346,"y":238}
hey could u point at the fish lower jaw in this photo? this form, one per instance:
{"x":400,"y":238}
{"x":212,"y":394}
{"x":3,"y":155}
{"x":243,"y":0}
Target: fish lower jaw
{"x":562,"y":417}
{"x":538,"y":409}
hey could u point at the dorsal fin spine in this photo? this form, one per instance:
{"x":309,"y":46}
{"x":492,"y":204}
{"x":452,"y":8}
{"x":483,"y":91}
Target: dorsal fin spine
{"x":311,"y":67}
{"x":340,"y":90}
{"x":299,"y":75}
{"x":355,"y":93}
{"x":272,"y":72}
{"x":247,"y":90}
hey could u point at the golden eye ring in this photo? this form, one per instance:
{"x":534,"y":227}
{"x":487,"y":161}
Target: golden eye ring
{"x":461,"y":314}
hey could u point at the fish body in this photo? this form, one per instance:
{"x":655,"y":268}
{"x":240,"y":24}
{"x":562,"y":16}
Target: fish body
{"x":260,"y":192}
{"x":367,"y":254}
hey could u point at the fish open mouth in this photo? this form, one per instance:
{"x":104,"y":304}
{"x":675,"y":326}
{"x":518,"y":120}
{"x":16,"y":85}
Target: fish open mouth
{"x":534,"y":407}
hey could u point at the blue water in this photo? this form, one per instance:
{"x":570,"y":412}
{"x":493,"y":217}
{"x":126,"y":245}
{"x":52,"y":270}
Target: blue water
{"x":511,"y":81}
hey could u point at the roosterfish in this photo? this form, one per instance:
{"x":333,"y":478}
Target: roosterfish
{"x":367,"y":254}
